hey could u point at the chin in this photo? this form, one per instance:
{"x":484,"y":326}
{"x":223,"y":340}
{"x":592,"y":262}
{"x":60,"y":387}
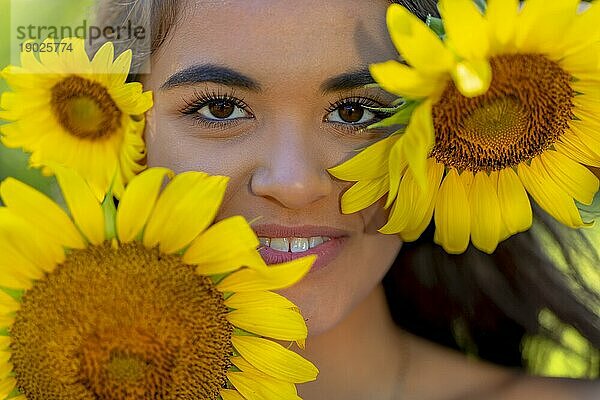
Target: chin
{"x":323,"y":305}
{"x":321,"y":319}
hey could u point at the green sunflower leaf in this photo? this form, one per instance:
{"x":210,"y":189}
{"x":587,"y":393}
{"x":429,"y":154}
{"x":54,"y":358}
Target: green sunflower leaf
{"x":436,"y":25}
{"x":401,"y":117}
{"x":482,"y":4}
{"x":592,"y":211}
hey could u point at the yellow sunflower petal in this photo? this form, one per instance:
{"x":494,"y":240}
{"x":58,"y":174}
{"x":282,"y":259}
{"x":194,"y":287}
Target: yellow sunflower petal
{"x":583,"y":61}
{"x":4,"y":344}
{"x":103,"y":59}
{"x":210,"y":246}
{"x":231,"y":394}
{"x":404,"y":81}
{"x":22,"y":104}
{"x":76,"y":60}
{"x":397,"y":166}
{"x":120,"y":68}
{"x":502,"y":17}
{"x":13,"y":281}
{"x":413,"y":203}
{"x":282,"y":386}
{"x":452,"y":215}
{"x":138,"y":202}
{"x":370,"y":163}
{"x":587,"y":103}
{"x":416,"y":42}
{"x":277,"y":276}
{"x":575,"y":179}
{"x":23,"y":79}
{"x":582,"y":32}
{"x":277,"y":323}
{"x":16,"y":267}
{"x":472,"y":77}
{"x":534,"y":33}
{"x":130,"y":99}
{"x":85,"y":209}
{"x":574,"y":148}
{"x":424,"y":204}
{"x":250,"y":258}
{"x":36,"y":208}
{"x":185,"y":208}
{"x":363,"y":194}
{"x":7,"y":321}
{"x":7,"y":385}
{"x":51,"y":59}
{"x":467,"y":178}
{"x":418,"y":142}
{"x":274,"y":360}
{"x":30,"y":62}
{"x":514,"y":203}
{"x":257,"y":387}
{"x":245,"y":366}
{"x":485,"y":213}
{"x":5,"y":370}
{"x":26,"y":250}
{"x":587,"y":135}
{"x":548,"y":194}
{"x":466,"y":31}
{"x":256,"y":299}
{"x":7,"y":303}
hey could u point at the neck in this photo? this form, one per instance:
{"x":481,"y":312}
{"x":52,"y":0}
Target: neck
{"x":361,"y":357}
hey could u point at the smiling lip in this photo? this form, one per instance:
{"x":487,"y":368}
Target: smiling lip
{"x":325,"y":252}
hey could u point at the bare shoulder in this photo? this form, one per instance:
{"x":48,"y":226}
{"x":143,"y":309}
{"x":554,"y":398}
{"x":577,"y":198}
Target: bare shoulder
{"x":438,"y":373}
{"x":551,"y":388}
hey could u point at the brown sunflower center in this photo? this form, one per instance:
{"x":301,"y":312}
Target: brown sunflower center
{"x":85,"y":108}
{"x":120,"y":324}
{"x":526,"y":109}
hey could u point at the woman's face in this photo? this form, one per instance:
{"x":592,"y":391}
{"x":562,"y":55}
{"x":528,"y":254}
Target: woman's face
{"x":270,"y":93}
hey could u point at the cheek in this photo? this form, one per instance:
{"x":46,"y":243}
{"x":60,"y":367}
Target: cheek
{"x":172,"y":145}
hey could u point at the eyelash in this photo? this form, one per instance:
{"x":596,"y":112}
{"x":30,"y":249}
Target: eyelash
{"x":361,"y":101}
{"x":202,"y":99}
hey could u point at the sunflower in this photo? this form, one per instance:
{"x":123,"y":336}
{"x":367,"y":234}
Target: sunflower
{"x":69,"y":110}
{"x":144,"y":301}
{"x":505,"y":105}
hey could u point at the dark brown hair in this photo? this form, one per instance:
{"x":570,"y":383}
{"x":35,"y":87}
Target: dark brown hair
{"x":480,"y":303}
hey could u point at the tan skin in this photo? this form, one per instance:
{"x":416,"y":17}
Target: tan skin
{"x":276,"y":147}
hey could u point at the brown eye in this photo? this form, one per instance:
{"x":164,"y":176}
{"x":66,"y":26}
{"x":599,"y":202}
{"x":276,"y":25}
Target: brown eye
{"x":221,"y":109}
{"x":351,"y":112}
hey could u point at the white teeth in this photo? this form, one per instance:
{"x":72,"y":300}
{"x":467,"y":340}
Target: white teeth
{"x":280,"y":244}
{"x":298,"y":245}
{"x":315,"y":241}
{"x":294,"y":244}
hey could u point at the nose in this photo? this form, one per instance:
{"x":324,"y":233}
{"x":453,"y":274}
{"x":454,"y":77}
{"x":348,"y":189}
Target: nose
{"x":293,"y":171}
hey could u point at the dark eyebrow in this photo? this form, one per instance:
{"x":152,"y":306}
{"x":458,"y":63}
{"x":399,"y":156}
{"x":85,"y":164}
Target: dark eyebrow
{"x":210,"y":73}
{"x":348,"y":80}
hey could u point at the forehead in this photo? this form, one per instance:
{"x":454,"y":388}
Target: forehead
{"x":279,"y":40}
